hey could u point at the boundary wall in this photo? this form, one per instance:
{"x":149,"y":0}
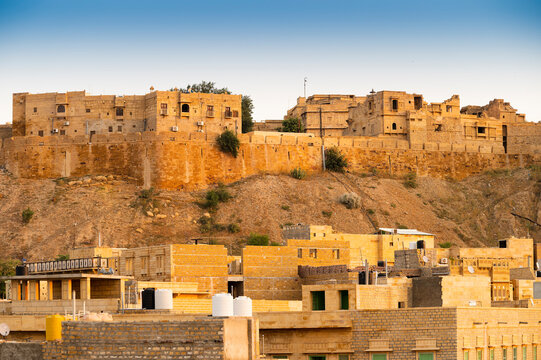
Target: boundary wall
{"x":187,"y":161}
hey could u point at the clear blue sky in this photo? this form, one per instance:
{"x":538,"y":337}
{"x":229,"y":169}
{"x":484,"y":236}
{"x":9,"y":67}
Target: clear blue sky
{"x":478,"y":49}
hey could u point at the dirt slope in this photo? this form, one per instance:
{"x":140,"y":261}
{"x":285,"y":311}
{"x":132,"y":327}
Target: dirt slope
{"x":475,"y":211}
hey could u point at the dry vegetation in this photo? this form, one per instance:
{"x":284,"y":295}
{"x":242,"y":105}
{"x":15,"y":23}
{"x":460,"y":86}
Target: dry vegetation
{"x":70,"y":212}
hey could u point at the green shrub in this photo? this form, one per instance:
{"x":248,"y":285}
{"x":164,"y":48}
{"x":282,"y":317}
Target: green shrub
{"x":327,"y":214}
{"x":274,"y":243}
{"x":62,"y":257}
{"x":209,"y":225}
{"x":27,"y":215}
{"x":228,"y":142}
{"x":298,"y":173}
{"x":146,"y":193}
{"x":285,"y":207}
{"x":335,"y":160}
{"x":213,"y":197}
{"x":393,"y":205}
{"x":258,"y":240}
{"x":410,"y":180}
{"x":446,"y":245}
{"x":292,"y":125}
{"x":350,"y":200}
{"x":7,"y":268}
{"x":233,"y":228}
{"x":400,"y":226}
{"x":370,"y":211}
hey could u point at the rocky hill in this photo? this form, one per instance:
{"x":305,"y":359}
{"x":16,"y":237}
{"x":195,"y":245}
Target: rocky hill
{"x":70,"y":212}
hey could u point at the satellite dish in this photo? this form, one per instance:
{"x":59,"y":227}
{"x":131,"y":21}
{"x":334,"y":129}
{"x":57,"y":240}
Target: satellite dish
{"x":425,"y":259}
{"x":4,"y":329}
{"x":470,"y":269}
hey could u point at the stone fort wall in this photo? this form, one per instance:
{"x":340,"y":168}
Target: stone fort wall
{"x":192,"y":160}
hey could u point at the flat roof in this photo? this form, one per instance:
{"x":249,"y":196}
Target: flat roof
{"x":404,"y":231}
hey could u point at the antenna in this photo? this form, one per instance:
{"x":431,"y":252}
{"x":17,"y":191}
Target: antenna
{"x":305,"y":80}
{"x":4,"y":329}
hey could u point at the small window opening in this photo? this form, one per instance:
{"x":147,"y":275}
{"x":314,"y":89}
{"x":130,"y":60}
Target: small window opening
{"x":313,"y":253}
{"x":336,"y":253}
{"x":61,"y":109}
{"x":110,"y":129}
{"x":394,"y":126}
{"x":62,"y":132}
{"x":318,"y":300}
{"x":119,"y":112}
{"x":87,"y":110}
{"x":449,"y":108}
{"x":344,"y":299}
{"x":395,"y":104}
{"x":438,"y":127}
{"x":481,"y":130}
{"x":40,"y":132}
{"x":417,"y":102}
{"x":299,"y":253}
{"x":35,"y":109}
{"x":185,"y":108}
{"x":119,"y":129}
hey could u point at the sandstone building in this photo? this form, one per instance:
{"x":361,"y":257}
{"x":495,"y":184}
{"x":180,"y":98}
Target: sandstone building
{"x":76,"y":113}
{"x":324,"y":115}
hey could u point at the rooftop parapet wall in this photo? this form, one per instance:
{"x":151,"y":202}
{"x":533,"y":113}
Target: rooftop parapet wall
{"x":192,"y":160}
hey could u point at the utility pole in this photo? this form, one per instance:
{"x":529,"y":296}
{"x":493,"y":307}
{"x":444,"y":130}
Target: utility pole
{"x":305,"y":80}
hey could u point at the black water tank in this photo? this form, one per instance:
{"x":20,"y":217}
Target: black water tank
{"x":21,"y":270}
{"x":148,"y":298}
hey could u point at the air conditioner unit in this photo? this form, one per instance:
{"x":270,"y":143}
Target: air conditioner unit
{"x":66,"y":123}
{"x":444,"y":261}
{"x":174,"y":128}
{"x":55,"y":131}
{"x":200,"y":123}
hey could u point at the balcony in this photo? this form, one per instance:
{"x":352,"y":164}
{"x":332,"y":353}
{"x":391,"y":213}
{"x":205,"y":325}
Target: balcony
{"x":210,"y":113}
{"x":228,"y":114}
{"x":163,"y":112}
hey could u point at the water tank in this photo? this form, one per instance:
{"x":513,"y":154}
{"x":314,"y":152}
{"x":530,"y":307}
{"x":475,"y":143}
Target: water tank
{"x":21,"y":270}
{"x":163,"y":299}
{"x":53,"y":327}
{"x":242,"y":306}
{"x":147,"y":297}
{"x":222,"y":305}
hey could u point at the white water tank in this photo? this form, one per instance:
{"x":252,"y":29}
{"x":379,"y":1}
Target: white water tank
{"x":242,"y":306}
{"x":222,"y":305}
{"x":163,"y":299}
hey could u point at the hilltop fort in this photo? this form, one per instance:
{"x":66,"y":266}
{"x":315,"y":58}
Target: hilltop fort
{"x":167,"y":138}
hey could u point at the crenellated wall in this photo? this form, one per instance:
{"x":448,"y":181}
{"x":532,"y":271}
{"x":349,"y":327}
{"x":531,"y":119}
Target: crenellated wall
{"x":193,"y":161}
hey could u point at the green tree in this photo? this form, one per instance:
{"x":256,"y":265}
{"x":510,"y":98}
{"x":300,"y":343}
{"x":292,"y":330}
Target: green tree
{"x":258,"y":240}
{"x":229,"y":143}
{"x":206,"y":87}
{"x":247,"y":111}
{"x":292,"y":125}
{"x":335,"y":160}
{"x":7,"y":268}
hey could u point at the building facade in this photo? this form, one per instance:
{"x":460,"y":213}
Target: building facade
{"x":76,"y":113}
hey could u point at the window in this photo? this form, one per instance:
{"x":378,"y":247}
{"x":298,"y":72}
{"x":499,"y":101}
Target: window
{"x":144,"y":265}
{"x":129,"y":266}
{"x":491,"y":354}
{"x":228,"y":112}
{"x":87,"y":110}
{"x":534,"y":352}
{"x":379,"y":356}
{"x":119,"y":112}
{"x":524,"y":353}
{"x":235,"y":113}
{"x":515,"y":355}
{"x":479,"y":354}
{"x":318,"y":300}
{"x":210,"y":110}
{"x":394,"y":126}
{"x":344,"y":299}
{"x":504,"y":354}
{"x":313,"y":253}
{"x":119,"y":128}
{"x":426,"y":356}
{"x":280,"y":357}
{"x":60,"y":108}
{"x":481,"y":129}
{"x":299,"y":253}
{"x":40,"y":132}
{"x":336,"y":253}
{"x":185,"y":108}
{"x":159,"y":262}
{"x":163,"y":106}
{"x":466,"y":355}
{"x":401,"y":304}
{"x":62,"y":132}
{"x":35,"y":109}
{"x":317,"y":357}
{"x":449,"y":108}
{"x":110,"y":129}
{"x":395,"y":104}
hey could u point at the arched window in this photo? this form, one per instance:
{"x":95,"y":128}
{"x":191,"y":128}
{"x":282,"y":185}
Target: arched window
{"x":394,"y":126}
{"x":185,"y":108}
{"x":61,"y":108}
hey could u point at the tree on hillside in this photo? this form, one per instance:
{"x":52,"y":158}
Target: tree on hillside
{"x":292,"y":125}
{"x":247,"y":111}
{"x":7,"y":268}
{"x":209,"y":87}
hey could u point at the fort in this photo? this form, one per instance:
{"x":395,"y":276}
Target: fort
{"x":175,"y":149}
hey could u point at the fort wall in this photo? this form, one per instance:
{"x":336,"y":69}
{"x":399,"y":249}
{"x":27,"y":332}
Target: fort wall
{"x":192,"y":160}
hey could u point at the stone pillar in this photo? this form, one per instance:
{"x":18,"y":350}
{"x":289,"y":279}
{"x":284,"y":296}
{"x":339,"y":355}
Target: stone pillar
{"x":14,"y":290}
{"x":66,"y":289}
{"x":85,"y":288}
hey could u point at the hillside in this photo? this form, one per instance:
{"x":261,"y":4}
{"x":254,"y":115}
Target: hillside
{"x":70,"y":212}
